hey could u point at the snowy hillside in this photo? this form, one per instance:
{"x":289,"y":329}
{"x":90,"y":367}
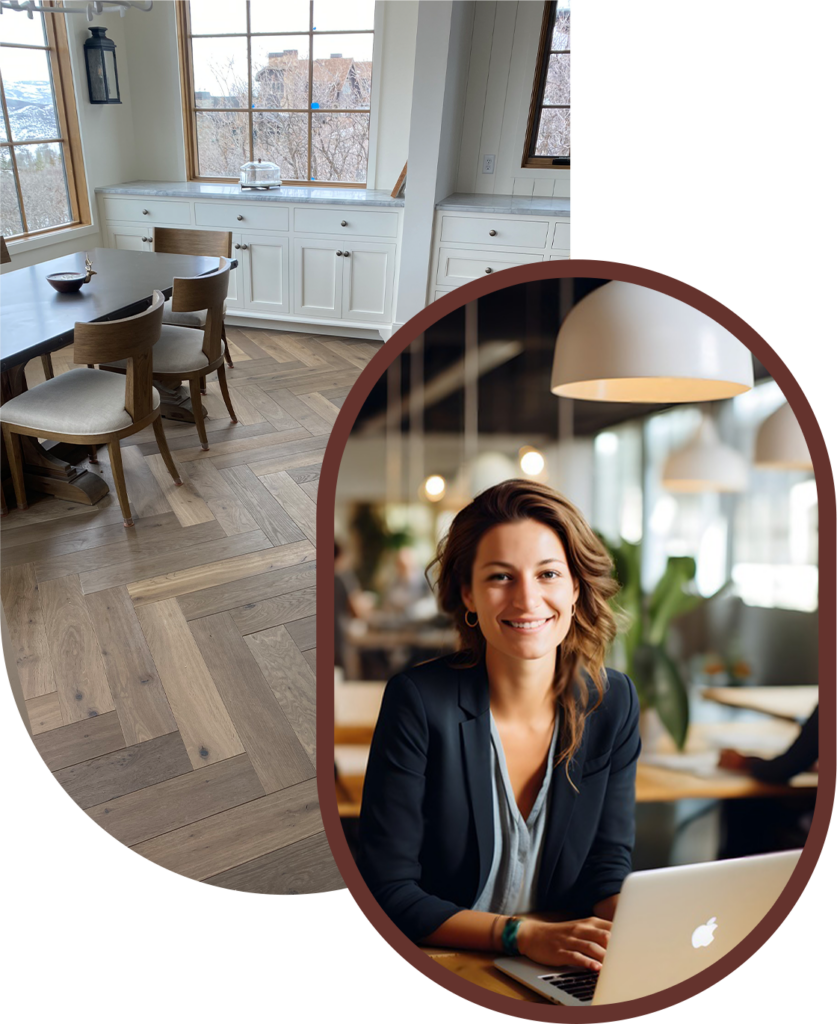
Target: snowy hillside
{"x":31,"y":110}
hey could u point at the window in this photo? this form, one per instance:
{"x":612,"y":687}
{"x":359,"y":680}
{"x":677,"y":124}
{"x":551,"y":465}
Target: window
{"x":685,"y":83}
{"x":41,"y":173}
{"x":286,"y":82}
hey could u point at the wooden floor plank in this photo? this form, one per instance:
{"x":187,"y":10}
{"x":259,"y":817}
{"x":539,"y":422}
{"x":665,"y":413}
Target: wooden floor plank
{"x":252,"y":618}
{"x":322,"y":406}
{"x":135,"y":685}
{"x":310,"y":656}
{"x":144,"y":493}
{"x":306,"y":866}
{"x":238,"y":835}
{"x":305,"y":416}
{"x":303,"y":632}
{"x":240,"y":449}
{"x":291,"y":680}
{"x":179,"y":801}
{"x":80,"y":677}
{"x":270,"y":342}
{"x":335,"y":395}
{"x":263,"y":506}
{"x":359,"y":355}
{"x":206,"y":728}
{"x":22,"y":603}
{"x":55,"y":512}
{"x":311,"y":489}
{"x":249,"y":590}
{"x":216,"y":433}
{"x":185,"y":501}
{"x":282,"y":463}
{"x":296,"y":503}
{"x":304,"y":474}
{"x":246,"y":413}
{"x":44,"y":713}
{"x":213,"y":574}
{"x":213,"y":542}
{"x":267,"y":408}
{"x":38,"y":549}
{"x":116,"y":544}
{"x":80,"y":741}
{"x":292,"y":446}
{"x":300,"y":348}
{"x":269,"y":739}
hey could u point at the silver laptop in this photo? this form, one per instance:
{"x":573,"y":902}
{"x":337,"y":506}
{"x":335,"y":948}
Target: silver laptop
{"x":670,"y":924}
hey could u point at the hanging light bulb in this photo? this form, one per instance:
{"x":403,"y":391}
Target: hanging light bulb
{"x":780,"y":443}
{"x":626,"y":343}
{"x":531,"y":461}
{"x":434,"y":487}
{"x":705,"y":464}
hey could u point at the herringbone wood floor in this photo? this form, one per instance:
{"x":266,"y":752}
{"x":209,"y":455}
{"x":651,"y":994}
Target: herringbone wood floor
{"x":169,"y":669}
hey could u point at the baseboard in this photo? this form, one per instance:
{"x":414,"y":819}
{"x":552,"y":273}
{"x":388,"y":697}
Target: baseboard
{"x":302,"y":325}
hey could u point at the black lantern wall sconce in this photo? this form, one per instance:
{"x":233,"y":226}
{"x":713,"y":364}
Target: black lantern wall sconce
{"x":100,"y":59}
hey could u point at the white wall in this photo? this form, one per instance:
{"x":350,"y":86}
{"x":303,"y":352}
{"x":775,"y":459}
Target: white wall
{"x":456,"y":87}
{"x":396,"y":90}
{"x":502,"y":71}
{"x":153,"y":64}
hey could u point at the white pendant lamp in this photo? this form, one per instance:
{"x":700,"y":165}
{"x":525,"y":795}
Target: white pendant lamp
{"x":780,"y":443}
{"x":626,"y":343}
{"x":486,"y":470}
{"x":705,"y":464}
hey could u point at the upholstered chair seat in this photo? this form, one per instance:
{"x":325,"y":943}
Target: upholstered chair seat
{"x":179,"y":350}
{"x":82,"y":402}
{"x":196,"y":319}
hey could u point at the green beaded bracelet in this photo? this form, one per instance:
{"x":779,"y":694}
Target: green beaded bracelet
{"x":509,"y":936}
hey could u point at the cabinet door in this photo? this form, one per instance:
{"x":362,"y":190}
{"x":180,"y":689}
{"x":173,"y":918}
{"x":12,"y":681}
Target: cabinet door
{"x":129,"y":237}
{"x":265,"y":272}
{"x":367,"y":281}
{"x":235,"y":292}
{"x":318,"y":277}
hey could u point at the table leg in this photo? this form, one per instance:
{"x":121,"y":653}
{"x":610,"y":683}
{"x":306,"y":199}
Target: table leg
{"x":43,"y":469}
{"x":175,"y":403}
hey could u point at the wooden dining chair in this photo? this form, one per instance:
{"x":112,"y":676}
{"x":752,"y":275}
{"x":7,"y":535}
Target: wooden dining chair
{"x":188,"y":242}
{"x":46,"y":358}
{"x":186,"y":353}
{"x":91,"y":407}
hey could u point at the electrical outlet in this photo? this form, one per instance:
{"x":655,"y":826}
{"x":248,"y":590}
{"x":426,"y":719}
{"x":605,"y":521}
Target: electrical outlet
{"x":488,"y":163}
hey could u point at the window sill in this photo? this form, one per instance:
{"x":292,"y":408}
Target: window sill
{"x":51,"y":238}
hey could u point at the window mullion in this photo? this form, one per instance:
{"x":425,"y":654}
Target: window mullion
{"x":310,"y":84}
{"x":249,"y":85}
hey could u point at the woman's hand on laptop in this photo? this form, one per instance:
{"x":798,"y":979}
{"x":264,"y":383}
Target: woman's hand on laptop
{"x":567,"y":944}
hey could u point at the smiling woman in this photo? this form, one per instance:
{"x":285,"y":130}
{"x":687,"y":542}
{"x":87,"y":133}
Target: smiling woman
{"x":478,"y":758}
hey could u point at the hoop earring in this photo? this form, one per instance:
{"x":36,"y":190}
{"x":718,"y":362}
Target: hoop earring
{"x":572,"y":612}
{"x":473,"y":624}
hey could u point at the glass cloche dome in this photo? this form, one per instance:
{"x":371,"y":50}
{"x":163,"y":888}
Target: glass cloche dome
{"x":260,"y":174}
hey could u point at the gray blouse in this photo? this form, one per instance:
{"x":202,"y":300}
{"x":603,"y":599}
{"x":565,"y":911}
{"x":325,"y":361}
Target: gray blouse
{"x":512,"y":883}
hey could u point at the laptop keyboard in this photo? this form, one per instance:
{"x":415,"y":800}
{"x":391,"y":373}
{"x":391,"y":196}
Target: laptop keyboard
{"x":575,"y":982}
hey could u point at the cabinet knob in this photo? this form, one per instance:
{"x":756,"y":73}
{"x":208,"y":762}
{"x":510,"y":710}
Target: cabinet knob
{"x":343,"y":223}
{"x":489,"y":270}
{"x":492,"y":232}
{"x":240,"y":217}
{"x":244,"y":247}
{"x":347,"y":254}
{"x":236,"y":246}
{"x":339,"y":253}
{"x":145,"y":213}
{"x":143,"y":239}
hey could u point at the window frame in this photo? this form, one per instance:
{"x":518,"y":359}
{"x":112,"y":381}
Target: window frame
{"x":189,"y":108}
{"x":58,"y":50}
{"x":558,"y":163}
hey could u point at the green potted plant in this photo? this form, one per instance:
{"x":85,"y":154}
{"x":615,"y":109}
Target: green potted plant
{"x":657,"y":677}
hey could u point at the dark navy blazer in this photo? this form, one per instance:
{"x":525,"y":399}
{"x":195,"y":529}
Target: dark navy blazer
{"x":426,"y":834}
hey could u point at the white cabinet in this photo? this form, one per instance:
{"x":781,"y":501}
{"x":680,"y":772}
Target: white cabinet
{"x":264,"y":272}
{"x":128,"y":236}
{"x":344,"y":280}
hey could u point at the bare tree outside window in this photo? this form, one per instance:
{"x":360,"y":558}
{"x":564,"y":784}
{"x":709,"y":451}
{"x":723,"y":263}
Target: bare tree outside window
{"x":38,"y":189}
{"x":290,"y":83}
{"x":548,"y":134}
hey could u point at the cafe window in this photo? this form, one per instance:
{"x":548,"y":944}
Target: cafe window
{"x":685,"y":83}
{"x":41,"y":171}
{"x":289,"y":83}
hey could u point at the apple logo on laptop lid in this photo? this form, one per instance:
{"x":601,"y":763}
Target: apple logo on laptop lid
{"x":704,"y":933}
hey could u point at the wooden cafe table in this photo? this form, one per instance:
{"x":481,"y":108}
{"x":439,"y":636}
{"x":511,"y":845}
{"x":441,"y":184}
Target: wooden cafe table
{"x":35,"y":319}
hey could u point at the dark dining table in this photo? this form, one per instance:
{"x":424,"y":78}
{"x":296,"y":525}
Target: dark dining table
{"x":35,"y":320}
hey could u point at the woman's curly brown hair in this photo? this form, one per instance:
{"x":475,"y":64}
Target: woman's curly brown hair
{"x":593,"y":627}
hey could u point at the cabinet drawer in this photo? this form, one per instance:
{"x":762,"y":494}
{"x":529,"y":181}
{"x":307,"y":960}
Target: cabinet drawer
{"x":148,"y":211}
{"x":346,"y":221}
{"x":561,"y":238}
{"x":494,"y":231}
{"x":456,"y":266}
{"x":242,"y":216}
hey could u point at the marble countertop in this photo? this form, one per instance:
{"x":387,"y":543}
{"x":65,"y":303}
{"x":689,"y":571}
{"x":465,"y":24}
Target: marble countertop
{"x":611,"y":208}
{"x":357,"y":197}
